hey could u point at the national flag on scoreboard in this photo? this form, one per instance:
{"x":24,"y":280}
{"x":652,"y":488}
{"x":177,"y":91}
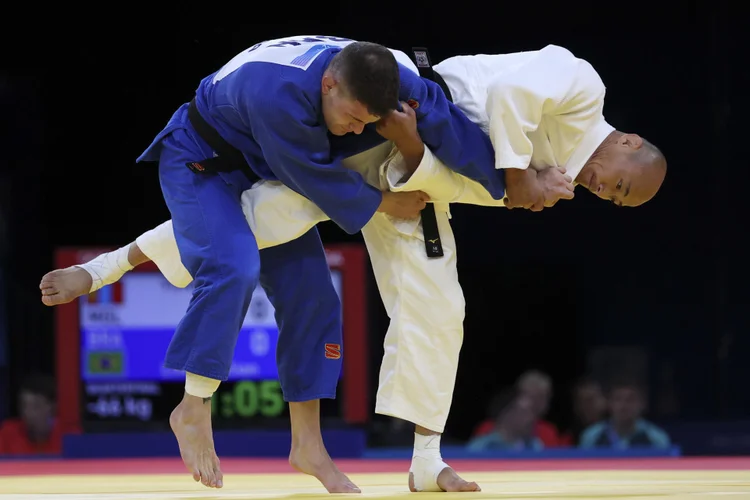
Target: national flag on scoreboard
{"x":106,"y":363}
{"x":110,"y":294}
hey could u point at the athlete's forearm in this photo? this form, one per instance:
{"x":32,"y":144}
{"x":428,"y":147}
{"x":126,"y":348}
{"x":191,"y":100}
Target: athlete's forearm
{"x":412,"y":151}
{"x":522,"y":189}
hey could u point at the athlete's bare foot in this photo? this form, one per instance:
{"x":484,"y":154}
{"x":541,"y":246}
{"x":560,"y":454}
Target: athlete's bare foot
{"x":64,"y":285}
{"x":448,"y":480}
{"x":315,"y":461}
{"x":309,"y":454}
{"x":191,"y":424}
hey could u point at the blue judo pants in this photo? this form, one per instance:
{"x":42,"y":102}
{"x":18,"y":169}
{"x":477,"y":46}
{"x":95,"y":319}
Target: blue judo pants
{"x":219,"y":250}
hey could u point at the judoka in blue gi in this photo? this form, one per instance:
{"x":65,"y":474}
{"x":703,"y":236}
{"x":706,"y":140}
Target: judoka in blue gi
{"x":282,"y":103}
{"x":276,"y":103}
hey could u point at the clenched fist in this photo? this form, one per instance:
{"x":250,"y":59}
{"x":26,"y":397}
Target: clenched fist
{"x":399,"y":126}
{"x":555,"y":185}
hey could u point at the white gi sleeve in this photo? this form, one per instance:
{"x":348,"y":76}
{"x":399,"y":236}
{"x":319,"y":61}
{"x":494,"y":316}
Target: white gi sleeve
{"x":554,"y":84}
{"x":434,"y":178}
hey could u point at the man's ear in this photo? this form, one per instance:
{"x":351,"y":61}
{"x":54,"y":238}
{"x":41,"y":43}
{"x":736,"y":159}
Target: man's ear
{"x":632,"y":141}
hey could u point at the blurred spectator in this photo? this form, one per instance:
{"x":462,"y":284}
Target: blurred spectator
{"x":36,"y":431}
{"x":626,"y":427}
{"x":589,"y":407}
{"x":538,"y":387}
{"x":513,"y":428}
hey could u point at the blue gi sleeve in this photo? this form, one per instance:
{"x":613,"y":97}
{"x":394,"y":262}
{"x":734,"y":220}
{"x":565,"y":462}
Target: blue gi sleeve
{"x":457,"y":141}
{"x":297,"y":150}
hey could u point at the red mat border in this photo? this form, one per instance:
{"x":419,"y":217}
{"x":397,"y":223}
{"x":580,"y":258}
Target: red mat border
{"x":269,"y":466}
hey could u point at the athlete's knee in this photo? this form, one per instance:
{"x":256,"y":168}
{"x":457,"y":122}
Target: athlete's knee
{"x":241,"y":271}
{"x":234,"y":267}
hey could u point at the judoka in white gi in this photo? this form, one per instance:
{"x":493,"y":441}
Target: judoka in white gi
{"x":543,"y":111}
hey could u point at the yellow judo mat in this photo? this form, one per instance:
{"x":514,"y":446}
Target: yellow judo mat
{"x":518,"y":485}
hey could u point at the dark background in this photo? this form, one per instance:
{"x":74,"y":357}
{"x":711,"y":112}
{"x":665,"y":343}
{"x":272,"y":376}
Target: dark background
{"x":83,"y":94}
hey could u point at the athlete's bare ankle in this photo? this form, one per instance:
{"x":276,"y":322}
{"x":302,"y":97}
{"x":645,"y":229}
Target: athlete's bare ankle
{"x":308,"y":445}
{"x":198,"y":393}
{"x":191,"y":400}
{"x":423,"y":431}
{"x":193,"y":408}
{"x":305,"y":420}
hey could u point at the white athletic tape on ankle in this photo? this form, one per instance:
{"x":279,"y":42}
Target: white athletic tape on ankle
{"x":426,"y":471}
{"x":426,"y":462}
{"x":107,"y":268}
{"x":431,"y":443}
{"x":199,"y":386}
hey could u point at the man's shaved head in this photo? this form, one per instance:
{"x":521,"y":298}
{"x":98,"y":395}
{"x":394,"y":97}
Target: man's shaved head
{"x":650,"y":165}
{"x":626,"y":169}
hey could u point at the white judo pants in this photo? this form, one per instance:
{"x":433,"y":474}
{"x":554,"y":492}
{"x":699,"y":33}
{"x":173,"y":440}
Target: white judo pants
{"x":425,"y":303}
{"x":422,"y":296}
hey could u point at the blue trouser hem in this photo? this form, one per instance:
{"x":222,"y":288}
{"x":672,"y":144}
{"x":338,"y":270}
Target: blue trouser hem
{"x":304,"y":399}
{"x":196,"y":371}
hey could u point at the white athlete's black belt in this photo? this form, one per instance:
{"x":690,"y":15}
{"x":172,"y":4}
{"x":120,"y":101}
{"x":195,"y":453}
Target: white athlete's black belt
{"x":432,"y":244}
{"x":227,"y":159}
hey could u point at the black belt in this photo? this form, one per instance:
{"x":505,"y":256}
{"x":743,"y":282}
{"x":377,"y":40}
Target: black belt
{"x":227,"y":158}
{"x":439,"y":80}
{"x":432,"y":244}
